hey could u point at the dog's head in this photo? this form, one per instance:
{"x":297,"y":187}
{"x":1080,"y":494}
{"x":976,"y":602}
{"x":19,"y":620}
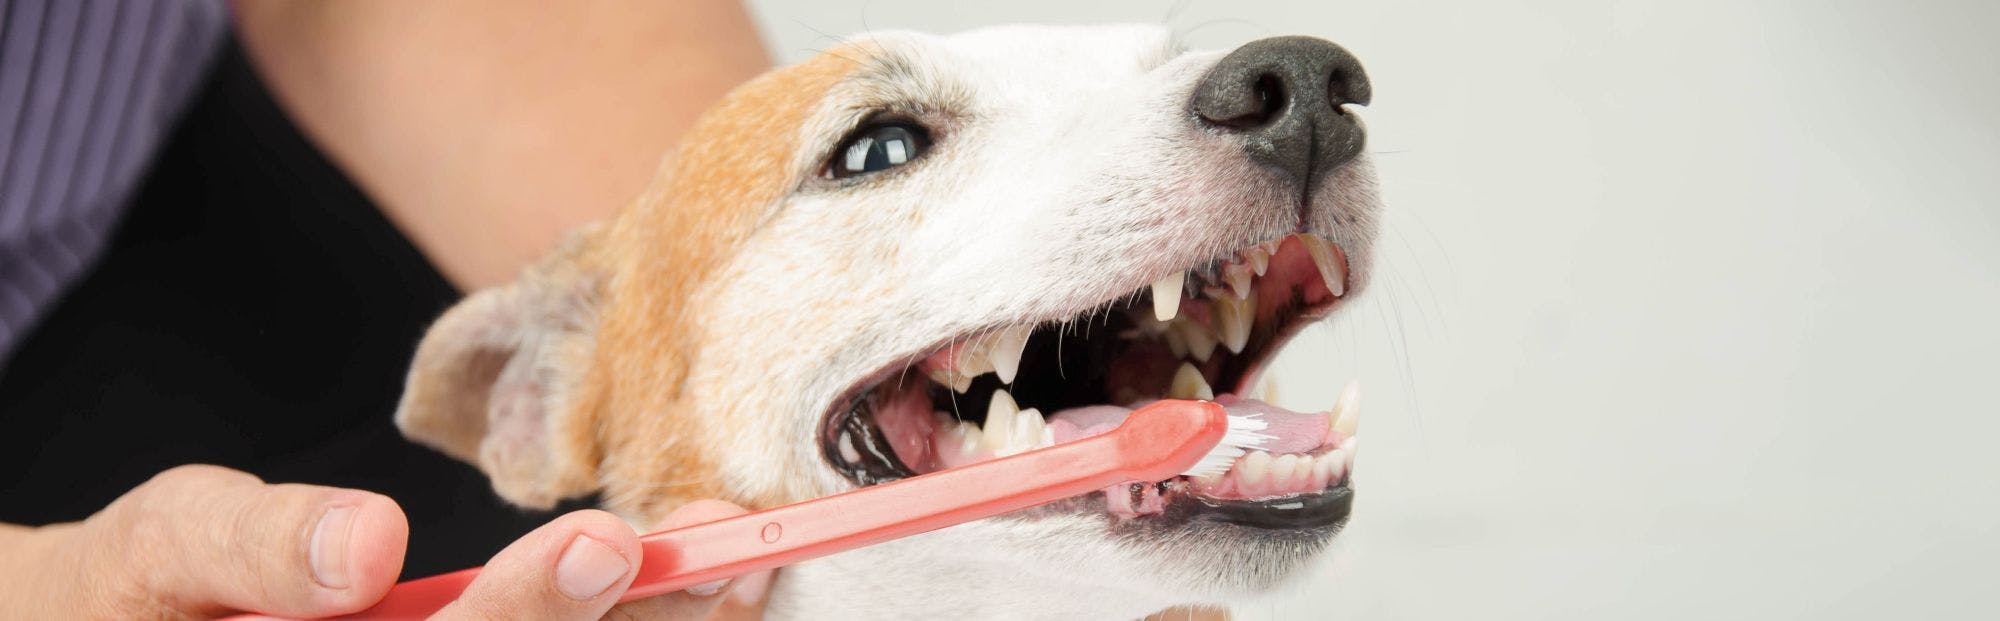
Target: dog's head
{"x":913,"y":252}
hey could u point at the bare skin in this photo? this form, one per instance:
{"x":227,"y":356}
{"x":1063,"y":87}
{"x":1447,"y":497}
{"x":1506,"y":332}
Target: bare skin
{"x":487,"y":129}
{"x":202,"y":541}
{"x":484,"y":131}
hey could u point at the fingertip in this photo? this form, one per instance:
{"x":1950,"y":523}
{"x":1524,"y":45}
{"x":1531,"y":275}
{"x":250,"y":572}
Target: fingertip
{"x":573,"y":567}
{"x":751,"y":590}
{"x":595,"y":553}
{"x":603,"y":526}
{"x":373,"y":539}
{"x":381,"y":537}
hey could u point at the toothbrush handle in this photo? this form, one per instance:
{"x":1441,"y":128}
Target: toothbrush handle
{"x":1174,"y":435}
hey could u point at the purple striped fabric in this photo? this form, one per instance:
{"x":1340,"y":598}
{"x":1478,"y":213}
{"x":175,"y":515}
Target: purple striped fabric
{"x":88,"y":89}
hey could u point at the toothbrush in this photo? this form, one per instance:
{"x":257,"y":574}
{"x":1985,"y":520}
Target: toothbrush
{"x":1158,"y":441}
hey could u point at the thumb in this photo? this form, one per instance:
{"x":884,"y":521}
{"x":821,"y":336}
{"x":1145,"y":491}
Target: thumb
{"x":575,"y":567}
{"x":725,"y":599}
{"x":204,"y":540}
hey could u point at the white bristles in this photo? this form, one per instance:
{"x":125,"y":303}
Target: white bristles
{"x":1246,"y":433}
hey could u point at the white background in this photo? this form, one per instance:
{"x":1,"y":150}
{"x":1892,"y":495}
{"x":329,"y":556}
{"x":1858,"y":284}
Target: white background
{"x":1687,"y":311}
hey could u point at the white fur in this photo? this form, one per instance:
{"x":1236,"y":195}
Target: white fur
{"x":1067,"y":172}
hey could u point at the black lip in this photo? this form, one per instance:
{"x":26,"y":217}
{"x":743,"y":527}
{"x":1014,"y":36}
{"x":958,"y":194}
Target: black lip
{"x":1324,"y":509}
{"x":856,"y":424}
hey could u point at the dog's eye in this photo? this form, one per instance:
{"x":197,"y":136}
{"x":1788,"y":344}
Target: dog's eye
{"x":877,"y":148}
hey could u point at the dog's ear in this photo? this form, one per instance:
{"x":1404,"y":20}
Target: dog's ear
{"x":493,"y":381}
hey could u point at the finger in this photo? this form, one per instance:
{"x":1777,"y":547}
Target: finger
{"x":206,"y":540}
{"x":697,"y":602}
{"x":572,"y":568}
{"x":746,"y":598}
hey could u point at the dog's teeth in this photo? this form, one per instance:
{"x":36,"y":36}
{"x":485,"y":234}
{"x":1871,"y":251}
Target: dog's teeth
{"x":946,"y":377}
{"x":1238,"y":276}
{"x":1331,"y":465}
{"x":1254,"y":469}
{"x":1200,"y":342}
{"x":969,"y":437}
{"x":1167,"y":295}
{"x":1000,"y":415}
{"x":974,"y":359}
{"x":1284,"y":471}
{"x":1346,"y":415}
{"x":1258,"y":259}
{"x":1332,"y":270}
{"x":1210,"y":480}
{"x":1188,"y":384}
{"x":1028,"y":431}
{"x":1005,"y":351}
{"x":1313,"y":475}
{"x":1233,"y":318}
{"x":847,"y":450}
{"x":1176,"y":342}
{"x":943,"y":376}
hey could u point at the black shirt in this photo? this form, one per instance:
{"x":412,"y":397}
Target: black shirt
{"x":254,"y":310}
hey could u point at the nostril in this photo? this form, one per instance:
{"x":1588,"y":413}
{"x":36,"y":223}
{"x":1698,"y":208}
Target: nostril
{"x":1336,"y":89}
{"x":1348,"y":86}
{"x":1283,"y":99}
{"x":1269,"y":93}
{"x":1271,"y":96}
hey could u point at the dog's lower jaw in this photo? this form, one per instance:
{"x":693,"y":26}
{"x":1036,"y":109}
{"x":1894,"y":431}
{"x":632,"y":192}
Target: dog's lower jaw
{"x":1052,"y":568}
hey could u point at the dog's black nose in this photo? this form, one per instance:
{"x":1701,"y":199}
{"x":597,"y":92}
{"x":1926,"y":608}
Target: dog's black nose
{"x":1282,"y":95}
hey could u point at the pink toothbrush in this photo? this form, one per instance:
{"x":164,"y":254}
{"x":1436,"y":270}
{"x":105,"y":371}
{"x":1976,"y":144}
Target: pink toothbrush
{"x":1156,"y":442}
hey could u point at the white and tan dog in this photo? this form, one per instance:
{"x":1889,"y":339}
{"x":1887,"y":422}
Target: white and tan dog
{"x":894,"y":258}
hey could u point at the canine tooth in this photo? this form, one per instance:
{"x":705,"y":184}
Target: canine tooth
{"x":1238,"y":276}
{"x":1258,"y":258}
{"x":1347,"y":410}
{"x":1233,"y":319}
{"x":1000,"y":415}
{"x":1167,"y":295}
{"x":1005,"y":351}
{"x":1285,"y":471}
{"x":1331,"y":270}
{"x":1254,"y":469}
{"x":1028,"y":431}
{"x":1200,"y":342}
{"x":1188,"y":384}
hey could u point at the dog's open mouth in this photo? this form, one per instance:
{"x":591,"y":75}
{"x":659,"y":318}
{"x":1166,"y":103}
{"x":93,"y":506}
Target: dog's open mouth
{"x":1204,"y":333}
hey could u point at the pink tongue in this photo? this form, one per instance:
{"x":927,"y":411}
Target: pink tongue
{"x":1291,"y":432}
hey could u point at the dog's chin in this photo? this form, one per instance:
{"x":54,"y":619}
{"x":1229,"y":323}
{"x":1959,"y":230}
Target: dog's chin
{"x":1010,"y":388}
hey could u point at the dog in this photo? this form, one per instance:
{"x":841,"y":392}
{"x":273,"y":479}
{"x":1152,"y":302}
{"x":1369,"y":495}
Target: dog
{"x":912,"y":252}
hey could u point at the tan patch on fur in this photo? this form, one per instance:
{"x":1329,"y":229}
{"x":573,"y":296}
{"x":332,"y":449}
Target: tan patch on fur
{"x":651,"y":451}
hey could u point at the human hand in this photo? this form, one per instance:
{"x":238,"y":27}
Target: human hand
{"x":202,"y":541}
